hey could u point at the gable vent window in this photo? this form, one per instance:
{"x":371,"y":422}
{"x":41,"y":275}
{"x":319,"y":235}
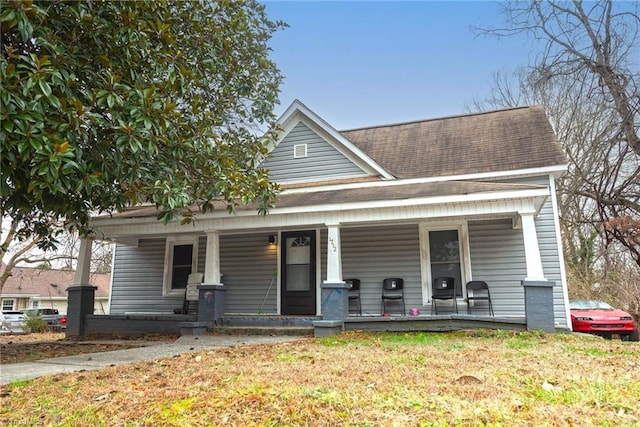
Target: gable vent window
{"x":299,"y":151}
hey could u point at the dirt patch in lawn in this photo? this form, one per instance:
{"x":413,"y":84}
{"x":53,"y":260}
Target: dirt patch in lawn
{"x":31,"y":347}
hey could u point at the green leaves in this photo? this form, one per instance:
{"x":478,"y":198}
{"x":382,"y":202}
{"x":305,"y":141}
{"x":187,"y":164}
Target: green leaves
{"x":104,"y":104}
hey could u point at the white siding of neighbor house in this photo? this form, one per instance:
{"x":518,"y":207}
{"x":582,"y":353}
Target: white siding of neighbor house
{"x":323,"y":161}
{"x":247,"y":263}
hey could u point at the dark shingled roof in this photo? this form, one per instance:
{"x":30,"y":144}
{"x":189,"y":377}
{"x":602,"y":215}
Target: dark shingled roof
{"x":505,"y":140}
{"x":395,"y":192}
{"x":360,"y":195}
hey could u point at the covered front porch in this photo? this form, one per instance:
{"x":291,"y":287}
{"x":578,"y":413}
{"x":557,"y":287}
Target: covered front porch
{"x":255,"y":267}
{"x":141,"y":324}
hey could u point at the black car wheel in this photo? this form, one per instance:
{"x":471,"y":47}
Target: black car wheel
{"x":634,"y":336}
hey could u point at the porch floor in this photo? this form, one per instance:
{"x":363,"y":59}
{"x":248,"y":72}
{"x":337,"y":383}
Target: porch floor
{"x":301,"y":325}
{"x":433,"y":323}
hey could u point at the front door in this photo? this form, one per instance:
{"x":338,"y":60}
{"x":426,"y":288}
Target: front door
{"x":299,"y":272}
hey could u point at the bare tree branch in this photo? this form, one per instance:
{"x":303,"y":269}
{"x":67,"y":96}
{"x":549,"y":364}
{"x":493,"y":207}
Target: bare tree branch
{"x":586,"y":76}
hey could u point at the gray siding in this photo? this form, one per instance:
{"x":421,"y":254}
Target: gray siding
{"x":372,"y":254}
{"x":137,"y":278}
{"x":497,"y":257}
{"x":548,"y":244}
{"x":322,"y":161}
{"x":248,"y":264}
{"x":138,"y":274}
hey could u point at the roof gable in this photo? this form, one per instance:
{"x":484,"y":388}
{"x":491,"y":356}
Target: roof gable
{"x":329,"y":154}
{"x":303,"y":155}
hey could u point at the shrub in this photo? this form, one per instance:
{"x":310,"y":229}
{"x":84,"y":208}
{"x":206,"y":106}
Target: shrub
{"x":35,"y":323}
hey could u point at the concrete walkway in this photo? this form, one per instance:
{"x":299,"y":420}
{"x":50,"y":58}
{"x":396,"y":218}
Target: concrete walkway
{"x":184,"y":344}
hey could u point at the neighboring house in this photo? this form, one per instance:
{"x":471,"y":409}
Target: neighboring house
{"x":45,"y":288}
{"x":470,"y":196}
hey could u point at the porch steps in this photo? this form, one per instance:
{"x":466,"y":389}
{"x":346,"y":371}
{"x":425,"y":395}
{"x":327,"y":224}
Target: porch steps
{"x":267,"y":321}
{"x":264,"y":330}
{"x":265,"y":325}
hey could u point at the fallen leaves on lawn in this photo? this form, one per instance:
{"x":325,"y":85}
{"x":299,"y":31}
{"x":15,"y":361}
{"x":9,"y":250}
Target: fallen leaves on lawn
{"x":352,"y":379}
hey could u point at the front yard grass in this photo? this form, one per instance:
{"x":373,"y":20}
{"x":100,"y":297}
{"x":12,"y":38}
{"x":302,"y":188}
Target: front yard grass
{"x":355,"y":379}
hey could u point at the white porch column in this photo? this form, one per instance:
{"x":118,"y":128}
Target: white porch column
{"x":334,"y":291}
{"x":211,"y":293}
{"x":531,"y":248}
{"x":212,"y":262}
{"x":81,"y":295}
{"x":334,"y":254}
{"x":83,"y":268}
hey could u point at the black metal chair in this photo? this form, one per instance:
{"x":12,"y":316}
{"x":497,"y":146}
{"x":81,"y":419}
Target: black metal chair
{"x":354,"y":293}
{"x":443,"y":288}
{"x":392,"y":290}
{"x":477,"y":290}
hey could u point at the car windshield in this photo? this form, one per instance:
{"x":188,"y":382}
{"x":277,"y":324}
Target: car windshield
{"x":589,"y":305}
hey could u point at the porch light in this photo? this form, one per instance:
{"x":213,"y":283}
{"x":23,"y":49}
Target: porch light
{"x":273,"y":239}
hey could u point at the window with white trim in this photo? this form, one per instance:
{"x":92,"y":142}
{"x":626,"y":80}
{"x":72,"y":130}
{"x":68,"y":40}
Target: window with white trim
{"x":181,"y":259}
{"x":8,"y":304}
{"x":445,"y":252}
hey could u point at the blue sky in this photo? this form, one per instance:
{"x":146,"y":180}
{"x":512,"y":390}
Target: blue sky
{"x":362,"y":63}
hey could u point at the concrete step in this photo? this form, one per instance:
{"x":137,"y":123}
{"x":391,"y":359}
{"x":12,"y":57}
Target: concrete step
{"x":264,"y":330}
{"x":268,"y":321}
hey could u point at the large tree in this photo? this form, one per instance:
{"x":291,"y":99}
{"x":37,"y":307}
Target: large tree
{"x":106,"y":104}
{"x":587,"y":75}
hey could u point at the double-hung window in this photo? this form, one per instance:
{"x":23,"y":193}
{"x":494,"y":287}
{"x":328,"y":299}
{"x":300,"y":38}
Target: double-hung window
{"x":181,"y":259}
{"x":8,"y":304}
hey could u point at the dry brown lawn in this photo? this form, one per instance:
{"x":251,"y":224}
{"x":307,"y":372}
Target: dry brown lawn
{"x":356,"y":379}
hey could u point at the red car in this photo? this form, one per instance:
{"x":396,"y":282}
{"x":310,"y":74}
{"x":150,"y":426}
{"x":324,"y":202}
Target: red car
{"x":599,"y":318}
